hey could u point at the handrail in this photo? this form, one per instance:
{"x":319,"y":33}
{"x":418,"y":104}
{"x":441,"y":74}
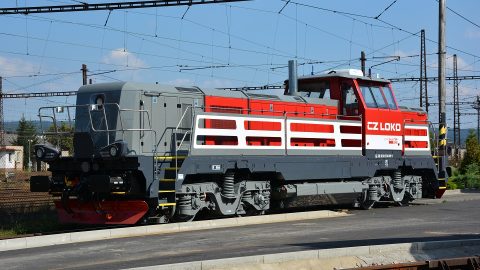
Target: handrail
{"x":191,"y":108}
{"x":89,"y":108}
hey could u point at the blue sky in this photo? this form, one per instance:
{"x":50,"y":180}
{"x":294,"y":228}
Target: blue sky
{"x":247,"y":43}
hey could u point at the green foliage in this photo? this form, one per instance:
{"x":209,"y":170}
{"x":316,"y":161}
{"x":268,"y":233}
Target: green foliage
{"x":472,"y":156}
{"x":26,"y":137}
{"x":63,"y":139}
{"x":468,"y":176}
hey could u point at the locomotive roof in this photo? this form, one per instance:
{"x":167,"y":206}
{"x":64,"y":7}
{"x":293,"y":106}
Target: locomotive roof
{"x":343,"y":75}
{"x":165,"y":89}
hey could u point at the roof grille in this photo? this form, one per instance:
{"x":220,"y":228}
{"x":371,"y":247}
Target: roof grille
{"x":263,"y":96}
{"x":188,"y":89}
{"x":298,"y":98}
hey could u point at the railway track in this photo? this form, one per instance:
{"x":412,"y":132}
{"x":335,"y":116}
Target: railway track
{"x":18,"y":195}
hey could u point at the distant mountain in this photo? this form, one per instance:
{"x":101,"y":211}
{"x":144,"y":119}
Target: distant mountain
{"x":463,"y":134}
{"x":11,"y":126}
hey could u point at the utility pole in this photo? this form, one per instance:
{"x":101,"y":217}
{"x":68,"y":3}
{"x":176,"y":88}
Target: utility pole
{"x":442,"y":175}
{"x":84,"y":74}
{"x":423,"y":73}
{"x":456,"y":105}
{"x":477,"y":107}
{"x":362,"y":60}
{"x":2,"y":123}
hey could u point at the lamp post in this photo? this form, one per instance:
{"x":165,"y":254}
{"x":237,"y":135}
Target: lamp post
{"x":29,"y":151}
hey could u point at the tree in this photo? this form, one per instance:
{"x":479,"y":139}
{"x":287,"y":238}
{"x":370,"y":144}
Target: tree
{"x":62,"y":137}
{"x":472,"y":156}
{"x":26,"y":137}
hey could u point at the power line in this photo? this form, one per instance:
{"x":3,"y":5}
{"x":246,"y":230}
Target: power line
{"x":463,"y":17}
{"x":389,"y":6}
{"x":448,"y":78}
{"x":109,"y":6}
{"x":39,"y":94}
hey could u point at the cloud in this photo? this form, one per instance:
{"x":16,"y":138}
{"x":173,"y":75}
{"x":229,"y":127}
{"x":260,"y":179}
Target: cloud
{"x":216,"y":83}
{"x":181,"y":82}
{"x":16,"y":67}
{"x":211,"y":83}
{"x":121,"y":57}
{"x":461,"y":63}
{"x":472,"y":34}
{"x":403,"y":54}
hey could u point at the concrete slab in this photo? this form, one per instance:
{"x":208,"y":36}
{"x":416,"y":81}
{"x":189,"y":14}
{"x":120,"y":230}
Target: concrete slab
{"x":338,"y":258}
{"x":291,"y":256}
{"x":48,"y":240}
{"x":10,"y":244}
{"x":231,"y":262}
{"x":76,"y":237}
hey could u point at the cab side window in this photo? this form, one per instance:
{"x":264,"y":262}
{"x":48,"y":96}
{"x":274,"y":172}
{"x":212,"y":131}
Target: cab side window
{"x":349,"y":100}
{"x":316,"y":89}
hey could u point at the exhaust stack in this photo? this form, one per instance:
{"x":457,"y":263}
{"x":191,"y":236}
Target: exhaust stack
{"x":292,"y":78}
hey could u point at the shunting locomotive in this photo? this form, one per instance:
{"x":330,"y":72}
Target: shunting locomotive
{"x":150,"y":153}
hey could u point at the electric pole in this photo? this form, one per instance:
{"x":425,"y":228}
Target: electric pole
{"x":477,"y":107}
{"x":442,"y":145}
{"x":84,"y":74}
{"x":423,"y":73}
{"x":2,"y":123}
{"x":456,"y":105}
{"x":362,"y":60}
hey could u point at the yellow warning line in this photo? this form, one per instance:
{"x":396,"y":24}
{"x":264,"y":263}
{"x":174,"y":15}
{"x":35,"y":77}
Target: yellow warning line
{"x":167,"y":204}
{"x":166,"y":191}
{"x":167,"y":180}
{"x":165,"y":158}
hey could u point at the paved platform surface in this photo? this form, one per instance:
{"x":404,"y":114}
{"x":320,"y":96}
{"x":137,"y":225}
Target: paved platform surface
{"x":455,"y":217}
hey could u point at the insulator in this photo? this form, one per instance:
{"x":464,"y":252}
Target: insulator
{"x":228,"y":190}
{"x":373,"y":193}
{"x":185,"y":203}
{"x":397,"y":180}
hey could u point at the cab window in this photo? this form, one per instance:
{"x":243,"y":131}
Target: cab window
{"x":350,"y":101}
{"x":373,"y":97}
{"x":389,"y":96}
{"x":315,"y":89}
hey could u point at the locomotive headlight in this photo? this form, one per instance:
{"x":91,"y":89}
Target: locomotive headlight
{"x":113,"y":151}
{"x":39,"y":153}
{"x":46,"y":153}
{"x":85,"y":166}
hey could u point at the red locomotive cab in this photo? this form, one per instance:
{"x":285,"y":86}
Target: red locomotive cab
{"x":370,"y":101}
{"x":382,"y":119}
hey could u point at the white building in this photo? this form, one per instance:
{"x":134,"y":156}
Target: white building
{"x":11,"y":157}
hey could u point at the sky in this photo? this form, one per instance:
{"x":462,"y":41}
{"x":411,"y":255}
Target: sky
{"x":233,"y":45}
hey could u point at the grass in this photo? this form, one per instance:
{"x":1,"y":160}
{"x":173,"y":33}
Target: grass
{"x":27,"y":221}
